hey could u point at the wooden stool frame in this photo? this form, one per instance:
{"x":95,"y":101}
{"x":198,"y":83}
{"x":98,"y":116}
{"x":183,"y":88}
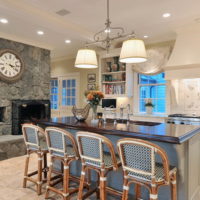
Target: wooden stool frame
{"x":101,"y":171}
{"x":41,"y":154}
{"x":153,"y":185}
{"x":65,"y":160}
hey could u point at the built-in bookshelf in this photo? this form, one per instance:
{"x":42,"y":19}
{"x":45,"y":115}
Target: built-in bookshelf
{"x":114,"y":76}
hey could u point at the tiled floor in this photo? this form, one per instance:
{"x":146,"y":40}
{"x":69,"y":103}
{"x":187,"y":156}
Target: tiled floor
{"x":11,"y":175}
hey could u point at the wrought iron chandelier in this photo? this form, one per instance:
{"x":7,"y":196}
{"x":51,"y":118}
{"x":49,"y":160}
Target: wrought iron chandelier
{"x":133,"y":50}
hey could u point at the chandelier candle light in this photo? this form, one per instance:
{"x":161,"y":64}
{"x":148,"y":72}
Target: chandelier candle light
{"x":133,"y":50}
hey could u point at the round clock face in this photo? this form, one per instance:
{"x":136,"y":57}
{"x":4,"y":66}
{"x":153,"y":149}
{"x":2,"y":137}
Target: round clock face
{"x":11,"y":66}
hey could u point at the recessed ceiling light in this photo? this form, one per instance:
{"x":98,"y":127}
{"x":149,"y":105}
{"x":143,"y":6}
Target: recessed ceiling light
{"x":166,"y":15}
{"x":146,"y":36}
{"x":40,"y":32}
{"x":67,"y":41}
{"x":4,"y":21}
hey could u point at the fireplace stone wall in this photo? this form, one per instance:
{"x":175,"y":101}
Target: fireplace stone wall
{"x":34,"y":84}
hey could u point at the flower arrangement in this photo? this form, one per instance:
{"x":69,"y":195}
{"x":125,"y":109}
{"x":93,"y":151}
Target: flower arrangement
{"x":94,"y":97}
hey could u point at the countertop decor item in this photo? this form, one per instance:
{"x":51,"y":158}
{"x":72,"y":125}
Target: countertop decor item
{"x":81,"y":114}
{"x":94,"y":98}
{"x":149,"y":106}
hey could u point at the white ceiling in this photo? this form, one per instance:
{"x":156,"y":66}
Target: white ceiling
{"x":87,"y":17}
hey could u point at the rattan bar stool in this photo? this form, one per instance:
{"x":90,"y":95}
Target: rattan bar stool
{"x":63,"y":147}
{"x":93,"y":157}
{"x":33,"y":143}
{"x":139,"y":164}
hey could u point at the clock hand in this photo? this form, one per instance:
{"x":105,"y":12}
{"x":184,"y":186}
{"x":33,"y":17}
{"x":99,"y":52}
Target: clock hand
{"x":11,"y":65}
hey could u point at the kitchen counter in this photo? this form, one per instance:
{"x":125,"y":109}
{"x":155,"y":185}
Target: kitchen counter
{"x":162,"y":132}
{"x":180,"y":142}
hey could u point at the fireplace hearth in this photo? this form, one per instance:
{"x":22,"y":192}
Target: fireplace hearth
{"x":27,"y":110}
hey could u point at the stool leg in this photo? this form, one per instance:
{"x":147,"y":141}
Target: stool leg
{"x":125,"y":189}
{"x":26,"y":170}
{"x":66,"y":181}
{"x":138,"y":191}
{"x":80,"y":193}
{"x":39,"y":179}
{"x":45,"y":166}
{"x":98,"y":183}
{"x":173,"y":187}
{"x":154,"y":193}
{"x":103,"y":180}
{"x":49,"y":178}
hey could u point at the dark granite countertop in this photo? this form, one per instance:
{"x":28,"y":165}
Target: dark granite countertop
{"x":163,"y":132}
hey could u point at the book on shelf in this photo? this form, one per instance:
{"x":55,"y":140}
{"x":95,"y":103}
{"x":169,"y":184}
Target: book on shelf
{"x":113,"y":89}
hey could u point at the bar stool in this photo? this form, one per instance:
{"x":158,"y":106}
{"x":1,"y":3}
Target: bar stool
{"x":93,"y":157}
{"x":62,"y":146}
{"x":139,"y":164}
{"x":32,"y":135}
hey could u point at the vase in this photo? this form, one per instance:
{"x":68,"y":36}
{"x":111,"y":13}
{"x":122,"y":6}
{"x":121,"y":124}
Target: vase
{"x":116,"y":64}
{"x":149,"y":109}
{"x":94,"y":114}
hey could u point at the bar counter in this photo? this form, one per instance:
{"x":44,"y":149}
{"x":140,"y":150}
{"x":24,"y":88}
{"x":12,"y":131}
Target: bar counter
{"x":180,"y":142}
{"x":162,"y":132}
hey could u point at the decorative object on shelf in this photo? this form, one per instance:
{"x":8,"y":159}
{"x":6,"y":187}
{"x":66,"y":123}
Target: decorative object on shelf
{"x":11,"y":66}
{"x":86,"y":58}
{"x":123,"y":67}
{"x":109,"y":66}
{"x":149,"y":106}
{"x":133,"y":50}
{"x":91,"y":86}
{"x":116,"y":61}
{"x":94,"y":98}
{"x":123,"y":76}
{"x":81,"y":114}
{"x":91,"y":78}
{"x":157,"y":59}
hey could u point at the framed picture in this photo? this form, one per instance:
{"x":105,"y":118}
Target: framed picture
{"x":91,"y":86}
{"x":91,"y":78}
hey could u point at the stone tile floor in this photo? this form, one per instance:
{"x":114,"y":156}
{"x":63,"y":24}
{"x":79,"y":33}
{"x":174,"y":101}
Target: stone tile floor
{"x":11,"y":176}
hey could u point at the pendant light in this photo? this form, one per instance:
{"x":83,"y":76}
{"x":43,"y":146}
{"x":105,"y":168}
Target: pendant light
{"x":133,"y":51}
{"x":86,"y":58}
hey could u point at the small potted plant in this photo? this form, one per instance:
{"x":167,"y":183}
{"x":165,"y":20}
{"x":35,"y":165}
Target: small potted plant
{"x":149,"y":106}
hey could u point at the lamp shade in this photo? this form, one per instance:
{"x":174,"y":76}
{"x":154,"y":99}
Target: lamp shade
{"x":133,"y":51}
{"x":86,"y":58}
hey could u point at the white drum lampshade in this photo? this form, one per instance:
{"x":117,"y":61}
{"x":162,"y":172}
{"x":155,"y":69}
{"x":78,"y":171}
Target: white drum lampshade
{"x":86,"y":58}
{"x":133,"y":51}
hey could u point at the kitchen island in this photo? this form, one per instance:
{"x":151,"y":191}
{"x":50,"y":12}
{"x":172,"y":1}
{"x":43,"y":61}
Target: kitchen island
{"x":181,"y":143}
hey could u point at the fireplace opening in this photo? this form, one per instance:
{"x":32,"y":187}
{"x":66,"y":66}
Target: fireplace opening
{"x":2,"y":114}
{"x":24,"y":111}
{"x":29,"y":112}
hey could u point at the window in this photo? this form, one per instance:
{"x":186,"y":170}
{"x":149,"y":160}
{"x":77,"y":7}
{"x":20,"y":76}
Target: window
{"x":154,"y":88}
{"x":69,"y":92}
{"x":54,"y":94}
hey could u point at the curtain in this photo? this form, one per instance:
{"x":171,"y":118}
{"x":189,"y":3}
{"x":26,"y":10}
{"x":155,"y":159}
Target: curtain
{"x":157,"y":58}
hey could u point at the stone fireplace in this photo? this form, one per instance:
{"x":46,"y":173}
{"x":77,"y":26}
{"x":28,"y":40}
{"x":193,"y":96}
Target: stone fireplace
{"x":33,"y":88}
{"x":24,"y":111}
{"x":2,"y":113}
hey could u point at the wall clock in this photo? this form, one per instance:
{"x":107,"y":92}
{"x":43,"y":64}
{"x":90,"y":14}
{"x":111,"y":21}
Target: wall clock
{"x":11,"y":66}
